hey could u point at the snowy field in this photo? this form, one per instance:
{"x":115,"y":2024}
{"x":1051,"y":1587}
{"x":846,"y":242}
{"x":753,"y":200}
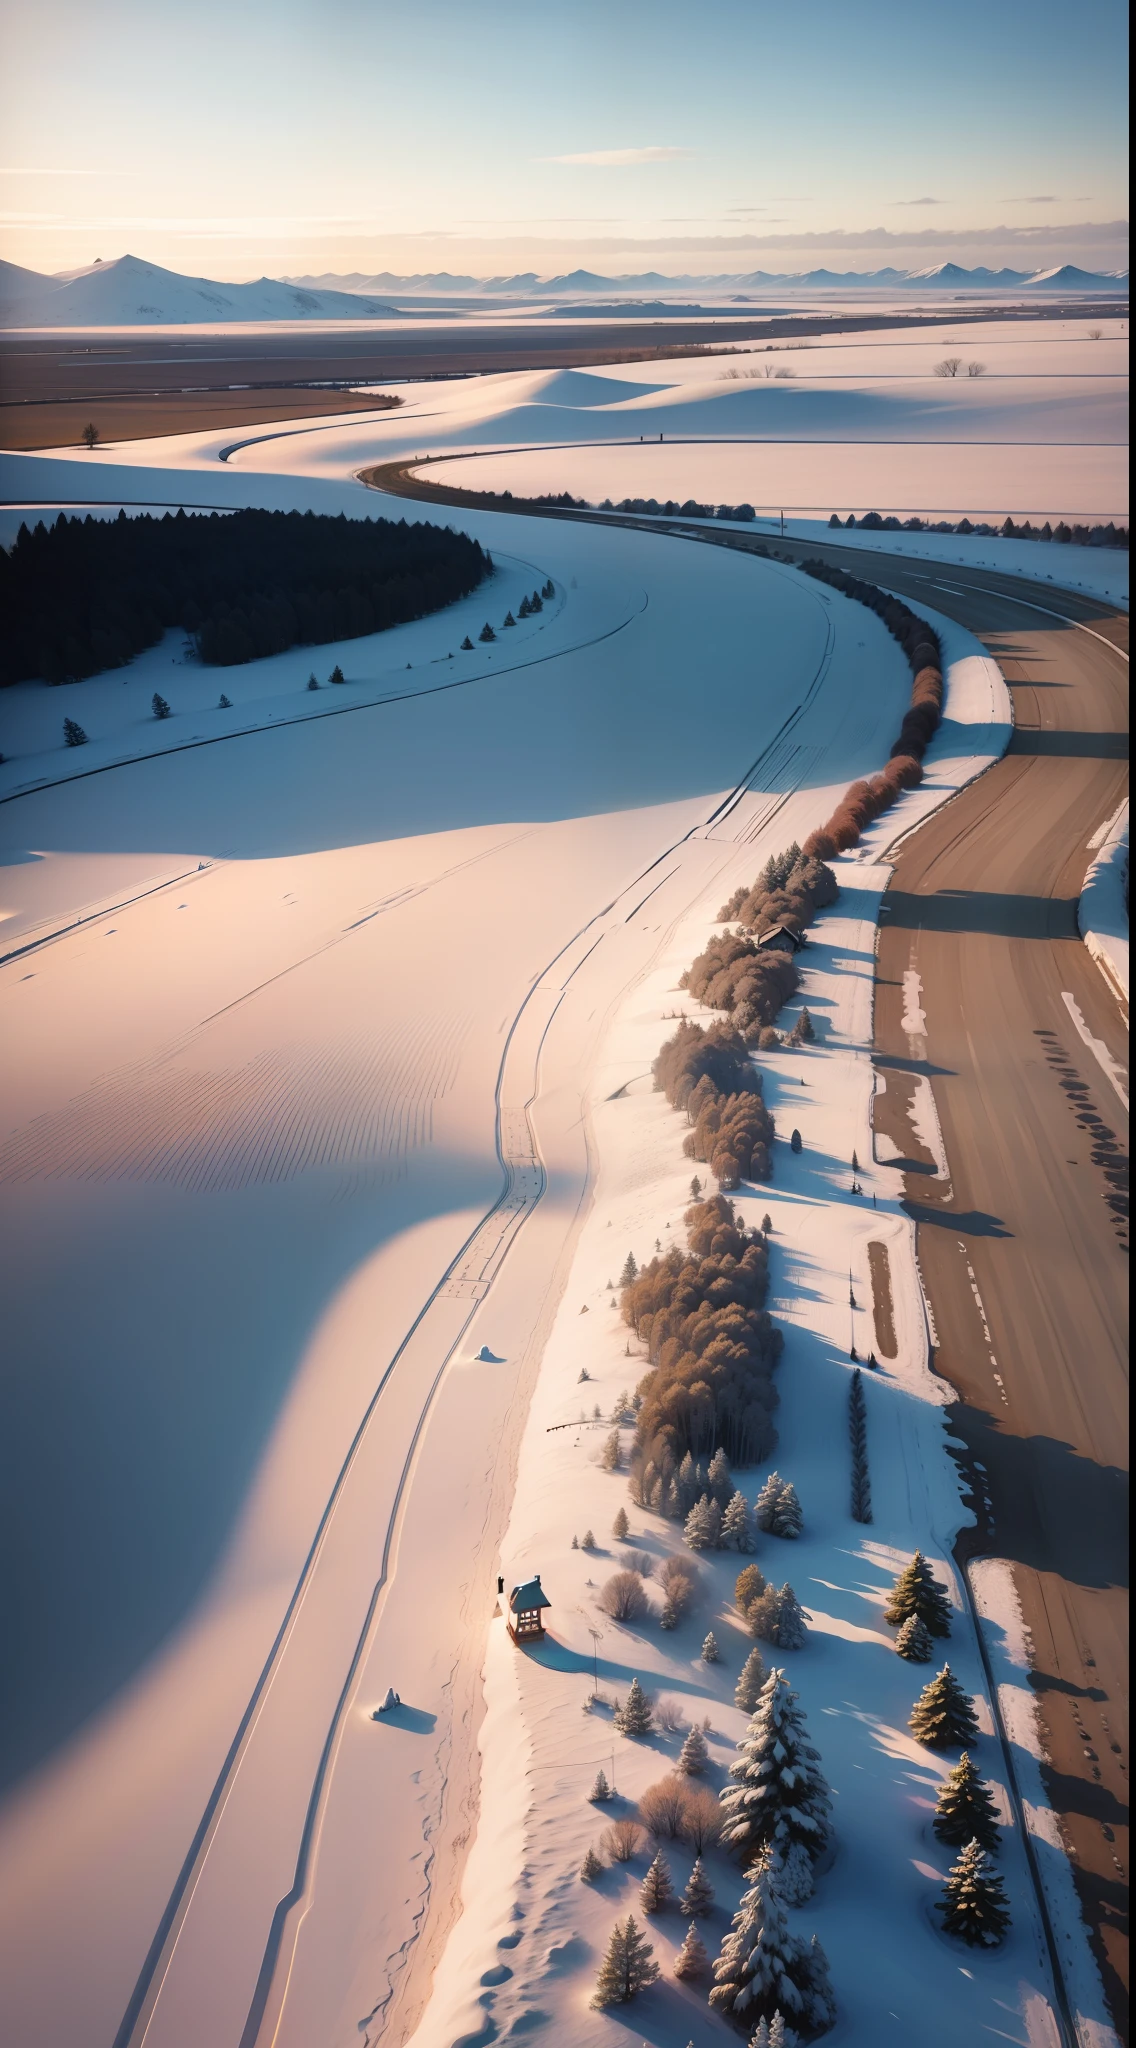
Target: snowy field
{"x":330,"y":979}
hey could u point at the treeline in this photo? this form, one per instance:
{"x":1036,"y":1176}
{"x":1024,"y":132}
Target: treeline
{"x":733,"y":972}
{"x":1107,"y":536}
{"x":866,"y":800}
{"x":671,"y":509}
{"x":89,"y":594}
{"x":712,"y":1346}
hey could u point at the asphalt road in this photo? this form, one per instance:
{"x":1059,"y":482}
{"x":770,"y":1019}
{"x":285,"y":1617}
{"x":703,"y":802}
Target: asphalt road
{"x":1030,"y":1237}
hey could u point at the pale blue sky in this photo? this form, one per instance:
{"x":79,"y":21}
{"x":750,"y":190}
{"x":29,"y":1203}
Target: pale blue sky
{"x":230,"y":139}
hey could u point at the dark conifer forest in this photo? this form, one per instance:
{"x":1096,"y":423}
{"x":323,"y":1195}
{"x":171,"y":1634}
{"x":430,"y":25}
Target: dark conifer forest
{"x":90,"y":594}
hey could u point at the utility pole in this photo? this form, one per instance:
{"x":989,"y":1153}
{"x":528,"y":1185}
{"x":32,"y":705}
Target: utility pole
{"x":782,"y":525}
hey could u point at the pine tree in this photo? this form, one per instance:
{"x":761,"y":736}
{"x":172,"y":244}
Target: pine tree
{"x":575,"y":1543}
{"x":628,"y":1966}
{"x":710,"y":1649}
{"x":973,"y":1902}
{"x":791,"y":1870}
{"x":766,"y":1503}
{"x":766,"y":1224}
{"x":914,"y":1641}
{"x":917,"y":1591}
{"x":657,"y":1888}
{"x":692,"y":1959}
{"x":703,"y":1525}
{"x":795,"y":1142}
{"x":763,"y":1615}
{"x":787,"y":1519}
{"x":337,"y":675}
{"x":312,"y":683}
{"x":858,"y":1437}
{"x":587,"y":1540}
{"x":748,"y":1585}
{"x":611,"y":1457}
{"x":752,"y":1678}
{"x":778,"y":1794}
{"x":636,"y":1715}
{"x":781,"y":2036}
{"x":943,"y":1716}
{"x":965,"y":1810}
{"x":487,"y":632}
{"x":508,"y":620}
{"x":73,"y":734}
{"x":467,"y":645}
{"x":630,"y":1270}
{"x":591,"y":1867}
{"x":737,"y":1525}
{"x":698,"y":1896}
{"x":695,"y":1188}
{"x":158,"y":706}
{"x":601,"y":1790}
{"x":621,"y":1525}
{"x":224,"y":703}
{"x":803,"y":1030}
{"x":764,"y":1970}
{"x":548,"y":589}
{"x":792,"y":1628}
{"x":694,"y":1756}
{"x":718,"y":1481}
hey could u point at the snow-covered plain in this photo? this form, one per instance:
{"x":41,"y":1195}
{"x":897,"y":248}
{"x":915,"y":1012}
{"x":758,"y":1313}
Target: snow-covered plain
{"x":342,"y":972}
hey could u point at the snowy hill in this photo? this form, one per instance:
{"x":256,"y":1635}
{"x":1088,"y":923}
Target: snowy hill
{"x":129,"y":292}
{"x":579,"y":284}
{"x":17,"y":283}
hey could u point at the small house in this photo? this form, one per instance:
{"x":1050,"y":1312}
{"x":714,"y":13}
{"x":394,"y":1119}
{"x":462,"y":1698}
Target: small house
{"x":526,"y":1604}
{"x":781,"y":938}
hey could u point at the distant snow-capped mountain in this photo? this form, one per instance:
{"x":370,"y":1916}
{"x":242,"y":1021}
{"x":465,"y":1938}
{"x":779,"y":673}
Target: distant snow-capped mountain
{"x":130,"y":293}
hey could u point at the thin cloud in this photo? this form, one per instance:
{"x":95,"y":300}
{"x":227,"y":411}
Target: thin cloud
{"x":654,"y":153}
{"x":917,"y":202}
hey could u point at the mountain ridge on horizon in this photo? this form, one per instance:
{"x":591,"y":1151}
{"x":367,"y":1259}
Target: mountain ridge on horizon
{"x":127,"y":291}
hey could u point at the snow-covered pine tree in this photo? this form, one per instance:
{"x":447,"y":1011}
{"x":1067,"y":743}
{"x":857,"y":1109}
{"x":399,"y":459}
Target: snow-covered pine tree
{"x":692,"y":1959}
{"x":73,"y":734}
{"x":703,"y":1525}
{"x":601,"y":1790}
{"x":657,"y":1888}
{"x":965,"y":1810}
{"x":973,"y":1902}
{"x":778,"y":1792}
{"x":224,"y":703}
{"x":787,"y":1517}
{"x":611,"y":1458}
{"x":627,"y":1968}
{"x":687,"y":1484}
{"x":621,"y":1525}
{"x":159,"y":706}
{"x":751,"y":1679}
{"x":781,"y":2035}
{"x":630,"y":1270}
{"x":466,"y":648}
{"x":591,"y":1867}
{"x":943,"y":1716}
{"x":698,"y":1896}
{"x":763,"y":1969}
{"x":792,"y":1628}
{"x":737,"y":1525}
{"x":917,"y":1591}
{"x":694,"y":1756}
{"x":636,"y":1714}
{"x":718,"y":1481}
{"x":914,"y":1641}
{"x":337,"y":675}
{"x":766,"y":1502}
{"x":791,"y":1870}
{"x":710,"y":1648}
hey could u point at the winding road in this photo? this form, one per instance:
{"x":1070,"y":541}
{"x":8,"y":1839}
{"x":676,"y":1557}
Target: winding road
{"x":1025,"y":1254}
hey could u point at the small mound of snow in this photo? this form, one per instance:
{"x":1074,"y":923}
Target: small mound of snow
{"x":580,"y":387}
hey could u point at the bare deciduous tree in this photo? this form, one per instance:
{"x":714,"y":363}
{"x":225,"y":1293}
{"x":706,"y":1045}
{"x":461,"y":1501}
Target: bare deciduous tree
{"x":976,"y":369}
{"x":622,"y":1840}
{"x":662,"y":1808}
{"x":949,"y":367}
{"x":670,"y":1716}
{"x":623,"y":1597}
